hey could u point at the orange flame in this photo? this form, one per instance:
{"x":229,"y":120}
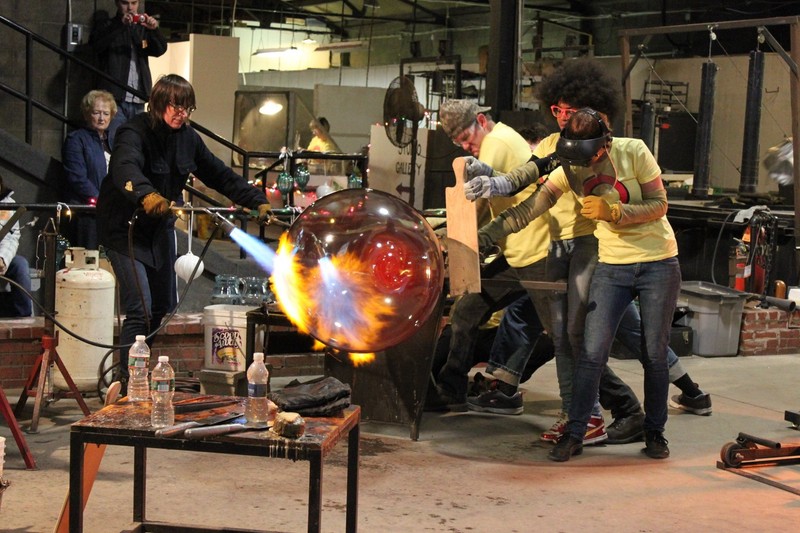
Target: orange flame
{"x":359,"y":359}
{"x":334,"y":300}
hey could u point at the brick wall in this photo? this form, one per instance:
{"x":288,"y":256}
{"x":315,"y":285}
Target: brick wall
{"x":769,"y":332}
{"x":182,"y":340}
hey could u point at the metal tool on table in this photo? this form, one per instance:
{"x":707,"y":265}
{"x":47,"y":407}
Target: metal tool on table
{"x":180,"y":428}
{"x":193,"y":407}
{"x":238,"y":426}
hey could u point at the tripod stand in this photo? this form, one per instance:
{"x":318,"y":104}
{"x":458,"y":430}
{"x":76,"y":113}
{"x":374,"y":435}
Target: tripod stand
{"x":49,"y":355}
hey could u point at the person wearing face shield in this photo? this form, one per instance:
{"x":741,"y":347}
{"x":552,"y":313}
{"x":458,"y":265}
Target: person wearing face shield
{"x":619,"y":185}
{"x":573,"y":254}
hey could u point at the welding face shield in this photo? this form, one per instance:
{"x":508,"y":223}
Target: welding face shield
{"x":578,"y":152}
{"x":582,"y":138}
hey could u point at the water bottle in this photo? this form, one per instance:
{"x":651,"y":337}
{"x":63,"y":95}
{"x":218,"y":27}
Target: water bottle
{"x":162,"y":386}
{"x":138,"y":368}
{"x":257,"y":405}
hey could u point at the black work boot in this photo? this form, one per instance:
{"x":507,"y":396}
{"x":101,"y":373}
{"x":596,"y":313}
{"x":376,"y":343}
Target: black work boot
{"x":655,"y":445}
{"x":566,"y":446}
{"x":626,"y":429}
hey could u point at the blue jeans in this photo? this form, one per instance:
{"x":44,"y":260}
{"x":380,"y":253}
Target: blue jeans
{"x":613,"y":288}
{"x":128,"y":110}
{"x":513,"y":344}
{"x":629,"y":334}
{"x":472,"y":310}
{"x":16,"y":303}
{"x":144,"y":302}
{"x":574,"y":260}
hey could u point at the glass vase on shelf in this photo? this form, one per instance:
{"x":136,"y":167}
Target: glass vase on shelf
{"x":354,"y":181}
{"x":301,"y":177}
{"x":285,"y":184}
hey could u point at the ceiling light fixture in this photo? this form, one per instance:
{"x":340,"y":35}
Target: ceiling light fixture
{"x":309,"y":39}
{"x":270,"y":107}
{"x":272,"y":51}
{"x":341,"y":46}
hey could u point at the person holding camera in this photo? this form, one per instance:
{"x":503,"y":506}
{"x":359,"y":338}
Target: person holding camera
{"x":123,"y":45}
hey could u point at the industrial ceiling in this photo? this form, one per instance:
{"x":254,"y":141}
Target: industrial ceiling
{"x":349,"y":17}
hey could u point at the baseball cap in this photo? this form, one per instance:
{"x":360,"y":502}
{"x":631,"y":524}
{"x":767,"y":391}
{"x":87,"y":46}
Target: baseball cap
{"x":457,"y":115}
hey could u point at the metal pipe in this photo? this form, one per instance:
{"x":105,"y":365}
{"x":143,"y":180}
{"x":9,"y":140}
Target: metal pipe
{"x":702,"y":147}
{"x":752,"y":124}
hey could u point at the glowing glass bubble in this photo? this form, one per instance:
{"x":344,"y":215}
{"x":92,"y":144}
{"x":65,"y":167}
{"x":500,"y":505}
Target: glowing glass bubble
{"x":360,"y":270}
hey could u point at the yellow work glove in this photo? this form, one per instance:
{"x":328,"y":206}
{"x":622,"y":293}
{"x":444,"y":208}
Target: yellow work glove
{"x":596,"y":208}
{"x":264,"y":213}
{"x":155,"y":205}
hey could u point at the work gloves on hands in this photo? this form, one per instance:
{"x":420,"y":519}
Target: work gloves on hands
{"x":597,"y":208}
{"x":547,"y":164}
{"x":264,"y":213}
{"x":487,"y":187}
{"x":488,"y":237}
{"x":476,"y":167}
{"x":155,"y":205}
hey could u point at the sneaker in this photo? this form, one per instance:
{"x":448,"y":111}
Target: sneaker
{"x":699,"y":405}
{"x":655,"y":445}
{"x":566,"y":446}
{"x":494,"y":401}
{"x":481,"y":384}
{"x":556,"y":430}
{"x":595,"y":431}
{"x":626,"y":429}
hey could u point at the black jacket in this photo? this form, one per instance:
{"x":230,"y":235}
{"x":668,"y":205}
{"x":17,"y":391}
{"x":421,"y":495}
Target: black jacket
{"x":114,"y":42}
{"x":160,"y":159}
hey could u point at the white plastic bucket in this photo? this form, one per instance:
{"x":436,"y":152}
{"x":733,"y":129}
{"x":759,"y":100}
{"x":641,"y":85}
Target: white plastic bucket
{"x":225,"y":328}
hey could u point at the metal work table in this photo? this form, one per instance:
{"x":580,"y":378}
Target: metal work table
{"x":128,"y":424}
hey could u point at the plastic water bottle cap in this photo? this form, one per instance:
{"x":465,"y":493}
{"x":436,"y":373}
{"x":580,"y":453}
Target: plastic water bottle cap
{"x":140,"y":338}
{"x":258,"y":356}
{"x":163,"y":359}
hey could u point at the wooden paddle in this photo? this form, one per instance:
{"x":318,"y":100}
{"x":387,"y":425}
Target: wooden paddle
{"x":92,"y":455}
{"x":462,"y":236}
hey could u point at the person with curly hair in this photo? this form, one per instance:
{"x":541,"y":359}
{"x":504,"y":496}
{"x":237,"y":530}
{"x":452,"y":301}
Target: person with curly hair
{"x":573,"y":256}
{"x":620,"y":188}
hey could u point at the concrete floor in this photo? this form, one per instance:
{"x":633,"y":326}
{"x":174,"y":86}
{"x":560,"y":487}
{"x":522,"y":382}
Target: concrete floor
{"x":469,"y":473}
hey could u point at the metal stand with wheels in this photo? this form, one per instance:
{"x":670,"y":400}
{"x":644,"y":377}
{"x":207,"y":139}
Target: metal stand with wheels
{"x":750,"y":451}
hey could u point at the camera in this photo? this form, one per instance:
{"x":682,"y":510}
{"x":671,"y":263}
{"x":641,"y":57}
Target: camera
{"x":136,"y":18}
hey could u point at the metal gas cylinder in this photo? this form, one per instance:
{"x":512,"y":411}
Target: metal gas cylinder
{"x":84,"y":306}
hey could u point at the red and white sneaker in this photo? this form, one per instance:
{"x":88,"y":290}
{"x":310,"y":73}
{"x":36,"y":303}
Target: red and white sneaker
{"x":556,"y":430}
{"x":595,"y":431}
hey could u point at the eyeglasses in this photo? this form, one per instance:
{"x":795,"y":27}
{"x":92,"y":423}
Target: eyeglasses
{"x":466,"y":135}
{"x":566,"y":112}
{"x":179,"y":109}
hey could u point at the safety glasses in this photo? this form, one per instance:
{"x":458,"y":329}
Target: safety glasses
{"x":565,"y":112}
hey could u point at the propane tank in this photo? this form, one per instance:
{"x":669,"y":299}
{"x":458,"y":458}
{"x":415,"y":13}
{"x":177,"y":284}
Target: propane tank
{"x":85,"y":306}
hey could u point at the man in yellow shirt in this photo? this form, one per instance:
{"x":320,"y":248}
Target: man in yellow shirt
{"x":523,"y":258}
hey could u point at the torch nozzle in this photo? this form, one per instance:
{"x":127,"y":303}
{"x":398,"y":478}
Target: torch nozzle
{"x":222,"y":222}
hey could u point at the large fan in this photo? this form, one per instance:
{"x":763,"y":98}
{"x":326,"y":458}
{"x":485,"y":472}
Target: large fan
{"x":401,"y":111}
{"x":401,"y":115}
